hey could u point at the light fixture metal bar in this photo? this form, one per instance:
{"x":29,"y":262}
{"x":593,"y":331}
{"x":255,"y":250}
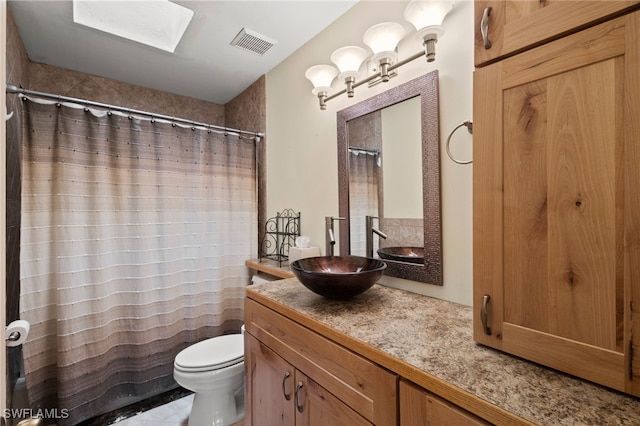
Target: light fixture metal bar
{"x":377,"y":74}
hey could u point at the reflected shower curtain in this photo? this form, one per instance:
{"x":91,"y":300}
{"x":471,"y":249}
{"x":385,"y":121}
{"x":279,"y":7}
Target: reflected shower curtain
{"x":134,"y":237}
{"x":363,"y":198}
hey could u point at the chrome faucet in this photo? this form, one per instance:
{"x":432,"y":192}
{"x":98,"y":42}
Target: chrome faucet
{"x":370,"y":230}
{"x":329,"y":234}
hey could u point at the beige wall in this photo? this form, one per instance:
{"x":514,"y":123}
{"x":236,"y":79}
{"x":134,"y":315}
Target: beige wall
{"x":302,"y":157}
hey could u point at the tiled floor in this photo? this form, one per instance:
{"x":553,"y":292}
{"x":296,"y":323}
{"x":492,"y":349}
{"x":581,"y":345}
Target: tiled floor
{"x":174,"y":413}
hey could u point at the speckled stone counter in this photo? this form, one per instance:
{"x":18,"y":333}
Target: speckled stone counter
{"x":425,"y":339}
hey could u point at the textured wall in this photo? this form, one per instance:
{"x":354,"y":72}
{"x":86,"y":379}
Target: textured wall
{"x":61,"y":81}
{"x":17,"y":74}
{"x":248,"y":111}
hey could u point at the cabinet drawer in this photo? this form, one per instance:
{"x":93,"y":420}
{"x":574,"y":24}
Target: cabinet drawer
{"x":362,"y":385}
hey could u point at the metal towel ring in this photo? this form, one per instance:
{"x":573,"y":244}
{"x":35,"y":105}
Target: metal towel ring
{"x":469,"y":126}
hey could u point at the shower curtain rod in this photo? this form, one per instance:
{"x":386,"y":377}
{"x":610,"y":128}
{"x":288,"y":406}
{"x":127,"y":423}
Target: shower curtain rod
{"x":364,"y":150}
{"x":18,"y":90}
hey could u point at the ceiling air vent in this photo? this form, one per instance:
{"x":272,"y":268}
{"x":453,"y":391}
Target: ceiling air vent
{"x":252,"y":41}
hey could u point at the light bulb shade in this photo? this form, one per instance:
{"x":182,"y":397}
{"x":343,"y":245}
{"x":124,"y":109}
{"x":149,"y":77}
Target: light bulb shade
{"x":383,"y":37}
{"x":427,"y":16}
{"x":321,"y":77}
{"x":348,"y":60}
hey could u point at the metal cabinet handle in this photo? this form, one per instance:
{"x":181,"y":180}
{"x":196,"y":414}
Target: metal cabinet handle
{"x":484,"y":28}
{"x":287,"y":396}
{"x":483,"y":314}
{"x":298,"y":389}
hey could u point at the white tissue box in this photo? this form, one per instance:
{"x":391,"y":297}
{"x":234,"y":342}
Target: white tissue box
{"x":296,"y":253}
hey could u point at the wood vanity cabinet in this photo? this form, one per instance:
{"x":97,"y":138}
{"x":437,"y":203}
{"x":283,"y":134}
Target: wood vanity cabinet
{"x":557,"y":200}
{"x":296,"y":376}
{"x":419,"y":407}
{"x":282,"y":395}
{"x":514,"y":25}
{"x":271,"y":380}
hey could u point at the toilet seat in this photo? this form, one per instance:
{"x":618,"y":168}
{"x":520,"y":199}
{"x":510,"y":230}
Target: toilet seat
{"x":211,"y":354}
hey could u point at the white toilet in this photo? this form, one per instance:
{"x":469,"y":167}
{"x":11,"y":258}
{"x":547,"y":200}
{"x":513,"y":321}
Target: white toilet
{"x":214,"y":370}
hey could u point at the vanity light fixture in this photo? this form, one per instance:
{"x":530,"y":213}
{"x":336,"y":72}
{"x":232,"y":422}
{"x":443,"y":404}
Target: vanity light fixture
{"x":321,"y":76}
{"x":348,"y":60}
{"x":425,"y":15}
{"x":383,"y":39}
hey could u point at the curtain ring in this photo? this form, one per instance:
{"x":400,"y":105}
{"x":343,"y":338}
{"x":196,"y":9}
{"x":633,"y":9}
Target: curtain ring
{"x":469,"y":126}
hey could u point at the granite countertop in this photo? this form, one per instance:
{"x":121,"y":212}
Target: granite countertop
{"x":435,"y":337}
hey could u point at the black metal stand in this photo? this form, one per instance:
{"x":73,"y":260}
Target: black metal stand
{"x":280,"y":234}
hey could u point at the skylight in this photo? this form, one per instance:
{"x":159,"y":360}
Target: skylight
{"x":157,"y":23}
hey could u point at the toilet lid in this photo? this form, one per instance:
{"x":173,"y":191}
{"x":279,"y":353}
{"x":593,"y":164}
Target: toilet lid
{"x":212,"y":354}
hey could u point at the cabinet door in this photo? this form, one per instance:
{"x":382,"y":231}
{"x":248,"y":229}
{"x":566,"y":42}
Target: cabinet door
{"x":418,"y":408}
{"x":514,"y":25}
{"x":557,"y":206}
{"x":269,"y":386}
{"x":361,"y":384}
{"x":315,"y":406}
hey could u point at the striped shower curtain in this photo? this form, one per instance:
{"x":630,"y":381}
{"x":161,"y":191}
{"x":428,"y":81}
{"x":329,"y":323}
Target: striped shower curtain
{"x":134,"y":237}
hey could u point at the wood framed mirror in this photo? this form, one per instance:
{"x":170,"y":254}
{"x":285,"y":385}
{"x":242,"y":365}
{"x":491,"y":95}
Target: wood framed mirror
{"x":402,"y":231}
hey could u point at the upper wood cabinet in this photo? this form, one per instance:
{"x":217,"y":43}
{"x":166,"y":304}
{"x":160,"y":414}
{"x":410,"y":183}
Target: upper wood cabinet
{"x":514,"y":25}
{"x":557,"y":205}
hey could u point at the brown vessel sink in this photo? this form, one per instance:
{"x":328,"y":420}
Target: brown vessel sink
{"x":338,"y":277}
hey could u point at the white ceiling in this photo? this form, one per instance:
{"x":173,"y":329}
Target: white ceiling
{"x":203,"y":66}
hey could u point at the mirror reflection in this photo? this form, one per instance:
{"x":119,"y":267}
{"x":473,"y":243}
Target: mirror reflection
{"x":385,"y":177}
{"x":389,"y":180}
